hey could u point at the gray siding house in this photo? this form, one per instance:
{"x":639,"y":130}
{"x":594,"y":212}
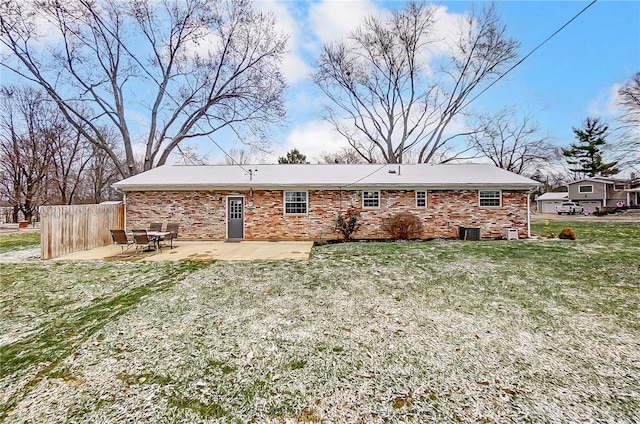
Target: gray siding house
{"x":599,"y":192}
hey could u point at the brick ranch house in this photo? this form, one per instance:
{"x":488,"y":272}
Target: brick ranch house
{"x":302,"y":202}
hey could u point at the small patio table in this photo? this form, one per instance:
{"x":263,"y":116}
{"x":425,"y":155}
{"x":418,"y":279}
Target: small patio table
{"x":158,"y":235}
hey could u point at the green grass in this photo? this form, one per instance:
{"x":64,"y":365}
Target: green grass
{"x":9,"y":242}
{"x":444,"y":331}
{"x":64,"y":325}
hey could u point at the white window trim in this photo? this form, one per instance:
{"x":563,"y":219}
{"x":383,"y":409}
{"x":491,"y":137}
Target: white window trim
{"x":379,"y":199}
{"x":425,"y":198}
{"x":620,"y":187}
{"x":490,"y":207}
{"x":284,"y":202}
{"x":585,"y":192}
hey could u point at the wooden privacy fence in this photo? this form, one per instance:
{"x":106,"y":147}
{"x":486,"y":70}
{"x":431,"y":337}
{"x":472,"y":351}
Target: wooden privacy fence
{"x":68,"y":229}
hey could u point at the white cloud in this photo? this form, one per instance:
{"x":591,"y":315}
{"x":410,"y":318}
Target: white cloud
{"x":294,"y":67}
{"x":311,"y":138}
{"x":447,"y":29}
{"x":606,"y":104}
{"x":45,"y":31}
{"x":331,"y":20}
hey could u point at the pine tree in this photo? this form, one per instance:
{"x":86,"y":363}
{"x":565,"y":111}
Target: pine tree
{"x":585,"y":157}
{"x":293,"y":156}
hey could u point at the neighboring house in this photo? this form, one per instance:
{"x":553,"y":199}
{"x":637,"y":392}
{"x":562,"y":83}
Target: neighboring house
{"x":599,"y":192}
{"x":548,"y":202}
{"x":634,"y":196}
{"x":302,"y":202}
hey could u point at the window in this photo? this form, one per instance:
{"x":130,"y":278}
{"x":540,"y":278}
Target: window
{"x":370,"y":199}
{"x":295,"y":202}
{"x":490,"y":198}
{"x":585,"y":189}
{"x":618,"y":187}
{"x":421,"y":199}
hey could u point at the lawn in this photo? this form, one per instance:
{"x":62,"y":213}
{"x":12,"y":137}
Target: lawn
{"x":19,"y":241}
{"x":440,"y":331}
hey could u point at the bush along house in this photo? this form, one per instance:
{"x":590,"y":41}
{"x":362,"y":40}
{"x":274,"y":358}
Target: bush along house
{"x":303,"y":202}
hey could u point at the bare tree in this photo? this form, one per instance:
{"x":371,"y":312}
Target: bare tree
{"x":513,"y":141}
{"x":239,"y":156}
{"x":629,"y":100}
{"x":185,"y":68}
{"x":71,"y":153}
{"x":629,"y":144}
{"x":188,"y":154}
{"x":99,"y":174}
{"x":343,"y":155}
{"x":26,"y":148}
{"x":391,"y":92}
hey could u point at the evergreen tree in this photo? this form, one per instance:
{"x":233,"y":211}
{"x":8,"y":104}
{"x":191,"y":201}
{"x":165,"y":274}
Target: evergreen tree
{"x":585,"y":157}
{"x":293,"y":156}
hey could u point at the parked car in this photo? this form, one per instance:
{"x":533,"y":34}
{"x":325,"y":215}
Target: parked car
{"x":570,"y":208}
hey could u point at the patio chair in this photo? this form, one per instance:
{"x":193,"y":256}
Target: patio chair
{"x":120,"y":238}
{"x":172,"y":227}
{"x":156,"y":226}
{"x":144,"y":242}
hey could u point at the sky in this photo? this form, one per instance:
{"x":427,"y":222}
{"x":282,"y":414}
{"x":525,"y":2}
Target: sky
{"x":574,"y":75}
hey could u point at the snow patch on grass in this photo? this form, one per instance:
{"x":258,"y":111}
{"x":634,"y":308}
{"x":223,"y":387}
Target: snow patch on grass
{"x":406,"y":332}
{"x":20,"y":254}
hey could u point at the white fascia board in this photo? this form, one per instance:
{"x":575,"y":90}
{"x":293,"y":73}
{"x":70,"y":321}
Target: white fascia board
{"x":182,"y":187}
{"x":208,"y":187}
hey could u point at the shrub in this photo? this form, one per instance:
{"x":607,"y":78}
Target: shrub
{"x":403,"y":226}
{"x":607,"y":211}
{"x":347,"y":223}
{"x":567,"y":233}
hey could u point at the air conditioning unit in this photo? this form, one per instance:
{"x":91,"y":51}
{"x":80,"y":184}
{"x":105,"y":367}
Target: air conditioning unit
{"x":510,"y":234}
{"x":469,"y":233}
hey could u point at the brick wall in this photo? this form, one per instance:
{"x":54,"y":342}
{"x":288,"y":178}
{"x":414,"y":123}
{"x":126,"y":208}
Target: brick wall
{"x":202,"y":214}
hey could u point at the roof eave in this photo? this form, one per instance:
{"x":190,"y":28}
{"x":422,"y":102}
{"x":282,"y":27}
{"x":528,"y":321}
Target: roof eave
{"x":359,"y":186}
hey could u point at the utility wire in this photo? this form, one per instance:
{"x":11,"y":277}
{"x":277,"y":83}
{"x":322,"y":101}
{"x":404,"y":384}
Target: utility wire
{"x":529,"y":54}
{"x":370,"y":174}
{"x":475,"y":97}
{"x":501,"y":76}
{"x":386,"y":164}
{"x":233,"y":161}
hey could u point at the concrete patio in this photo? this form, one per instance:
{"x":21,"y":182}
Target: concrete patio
{"x":204,"y":251}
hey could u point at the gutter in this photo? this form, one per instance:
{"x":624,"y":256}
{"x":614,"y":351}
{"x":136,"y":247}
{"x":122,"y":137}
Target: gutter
{"x":380,"y":186}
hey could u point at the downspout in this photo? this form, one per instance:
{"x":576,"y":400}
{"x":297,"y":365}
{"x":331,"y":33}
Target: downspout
{"x":529,"y":212}
{"x":124,"y":201}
